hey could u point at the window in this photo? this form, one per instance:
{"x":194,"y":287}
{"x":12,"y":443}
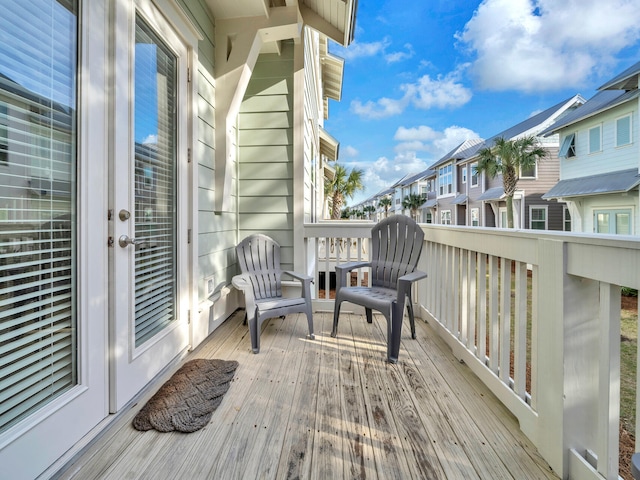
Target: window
{"x":464,"y":174}
{"x":424,"y":190}
{"x":531,"y":172}
{"x":612,"y":221}
{"x":538,"y":218}
{"x":445,"y":217}
{"x":568,"y":148}
{"x":475,"y":217}
{"x":474,"y":174}
{"x":595,"y":139}
{"x":427,"y":217}
{"x":566,"y":219}
{"x":38,"y":288}
{"x":445,"y":179}
{"x":623,"y":131}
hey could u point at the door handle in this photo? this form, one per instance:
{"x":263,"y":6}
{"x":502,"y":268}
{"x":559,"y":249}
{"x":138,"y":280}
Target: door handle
{"x":125,"y":240}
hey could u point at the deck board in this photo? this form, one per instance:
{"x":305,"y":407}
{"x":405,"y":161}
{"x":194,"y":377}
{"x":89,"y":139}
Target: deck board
{"x":328,"y":408}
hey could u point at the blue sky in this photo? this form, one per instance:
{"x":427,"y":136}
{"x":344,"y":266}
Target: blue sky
{"x":421,"y":77}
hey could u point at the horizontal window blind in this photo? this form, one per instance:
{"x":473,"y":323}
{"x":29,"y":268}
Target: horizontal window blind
{"x":37,"y":206}
{"x":155,"y":172}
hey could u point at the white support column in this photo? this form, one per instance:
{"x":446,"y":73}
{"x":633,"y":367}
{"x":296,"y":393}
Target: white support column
{"x":238,"y":44}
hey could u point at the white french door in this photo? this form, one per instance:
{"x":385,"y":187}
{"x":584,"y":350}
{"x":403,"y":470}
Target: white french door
{"x":148,"y":180}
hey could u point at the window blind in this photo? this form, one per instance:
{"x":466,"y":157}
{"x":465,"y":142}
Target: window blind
{"x":155,"y":172}
{"x":38,"y":340}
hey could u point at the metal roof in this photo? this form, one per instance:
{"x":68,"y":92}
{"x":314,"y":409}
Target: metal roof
{"x":614,"y":182}
{"x":532,"y":122}
{"x":430,"y":203}
{"x":459,"y":199}
{"x":627,"y":80}
{"x":466,"y":149}
{"x":495,"y":193}
{"x":600,"y":102}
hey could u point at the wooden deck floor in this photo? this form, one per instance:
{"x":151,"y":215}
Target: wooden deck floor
{"x":329,"y":409}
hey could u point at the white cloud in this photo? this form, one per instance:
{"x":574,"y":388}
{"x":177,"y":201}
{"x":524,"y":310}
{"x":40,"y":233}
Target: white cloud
{"x":361,"y":49}
{"x":418,"y":148}
{"x":395,"y":57}
{"x":349,"y":151}
{"x":150,"y":139}
{"x":425,"y":93}
{"x":537,"y":45}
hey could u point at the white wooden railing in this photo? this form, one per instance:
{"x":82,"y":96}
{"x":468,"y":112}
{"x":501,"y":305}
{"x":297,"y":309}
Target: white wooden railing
{"x":536,"y":315}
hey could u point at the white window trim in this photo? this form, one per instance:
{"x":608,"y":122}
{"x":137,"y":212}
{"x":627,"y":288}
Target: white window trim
{"x":477,"y":210}
{"x":446,"y":194}
{"x":546,"y":215}
{"x":442,"y":215}
{"x":535,"y":175}
{"x":464,"y":174}
{"x":565,"y":210}
{"x":615,"y":133}
{"x":471,"y":175}
{"x":612,"y":211}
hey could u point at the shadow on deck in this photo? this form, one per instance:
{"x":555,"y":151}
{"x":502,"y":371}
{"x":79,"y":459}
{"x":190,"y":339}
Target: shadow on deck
{"x":328,"y":408}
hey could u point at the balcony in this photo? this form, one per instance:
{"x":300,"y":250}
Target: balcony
{"x":515,"y":369}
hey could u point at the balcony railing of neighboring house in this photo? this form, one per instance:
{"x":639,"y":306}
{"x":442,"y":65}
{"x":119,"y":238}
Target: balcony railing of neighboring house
{"x":536,"y":316}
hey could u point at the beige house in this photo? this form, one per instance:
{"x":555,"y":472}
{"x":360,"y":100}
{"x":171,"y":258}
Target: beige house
{"x":139,"y":142}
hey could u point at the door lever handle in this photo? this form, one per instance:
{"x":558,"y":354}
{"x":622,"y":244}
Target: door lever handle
{"x":125,"y":240}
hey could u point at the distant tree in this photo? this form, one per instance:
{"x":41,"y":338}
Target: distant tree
{"x":385,"y":202}
{"x":508,"y":158}
{"x":368,"y":210}
{"x":344,"y":184}
{"x":412,"y":202}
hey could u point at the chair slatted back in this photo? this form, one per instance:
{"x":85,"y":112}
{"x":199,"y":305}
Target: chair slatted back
{"x":396,"y":245}
{"x":259,"y":257}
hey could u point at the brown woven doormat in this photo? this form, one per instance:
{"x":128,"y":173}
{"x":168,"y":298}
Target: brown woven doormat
{"x":187,"y":400}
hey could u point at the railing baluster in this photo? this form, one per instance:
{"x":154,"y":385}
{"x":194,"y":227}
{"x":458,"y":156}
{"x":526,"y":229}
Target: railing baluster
{"x":505,"y":320}
{"x":494,"y":321}
{"x":464,"y":303}
{"x":520,"y":333}
{"x":482,"y":298}
{"x":473,"y":293}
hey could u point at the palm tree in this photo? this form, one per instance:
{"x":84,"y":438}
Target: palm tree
{"x":368,"y":210}
{"x":413,"y":201}
{"x":508,"y":158}
{"x":344,"y":184}
{"x":385,"y":202}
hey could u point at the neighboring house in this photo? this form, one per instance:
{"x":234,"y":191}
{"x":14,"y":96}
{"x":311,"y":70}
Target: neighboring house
{"x":139,"y":142}
{"x":531,"y":211}
{"x":454,"y":185}
{"x":600,"y":160}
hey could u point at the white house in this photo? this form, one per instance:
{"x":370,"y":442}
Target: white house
{"x":141,"y":140}
{"x":600,"y":159}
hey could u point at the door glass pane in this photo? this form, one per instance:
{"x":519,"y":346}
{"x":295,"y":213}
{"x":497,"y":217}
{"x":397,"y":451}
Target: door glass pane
{"x":38,"y":341}
{"x":155,"y":183}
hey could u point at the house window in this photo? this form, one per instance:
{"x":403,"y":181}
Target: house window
{"x":427,"y":217}
{"x":623,"y":131}
{"x":568,"y":148}
{"x":538,"y":218}
{"x":595,"y":139}
{"x":464,"y":174}
{"x":445,"y":179}
{"x":474,"y":174}
{"x":475,"y":217}
{"x":4,"y":135}
{"x":445,"y":217}
{"x":566,"y":216}
{"x":531,"y":172}
{"x":424,"y":191}
{"x":612,"y":221}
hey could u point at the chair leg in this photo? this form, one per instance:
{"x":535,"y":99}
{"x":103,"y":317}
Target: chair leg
{"x":395,"y":333}
{"x":411,"y":318}
{"x":254,"y":330}
{"x":336,"y":314}
{"x":369,"y":315}
{"x":312,"y":336}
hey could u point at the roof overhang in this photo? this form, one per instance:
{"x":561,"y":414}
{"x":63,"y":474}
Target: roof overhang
{"x":430,"y":203}
{"x":616,"y":182}
{"x":460,"y":199}
{"x":329,"y":146}
{"x":333,"y":18}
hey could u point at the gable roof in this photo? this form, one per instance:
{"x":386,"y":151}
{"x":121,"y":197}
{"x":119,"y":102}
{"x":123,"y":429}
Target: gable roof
{"x":600,"y":102}
{"x":465,"y":150}
{"x":540,"y":119}
{"x":627,"y":80}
